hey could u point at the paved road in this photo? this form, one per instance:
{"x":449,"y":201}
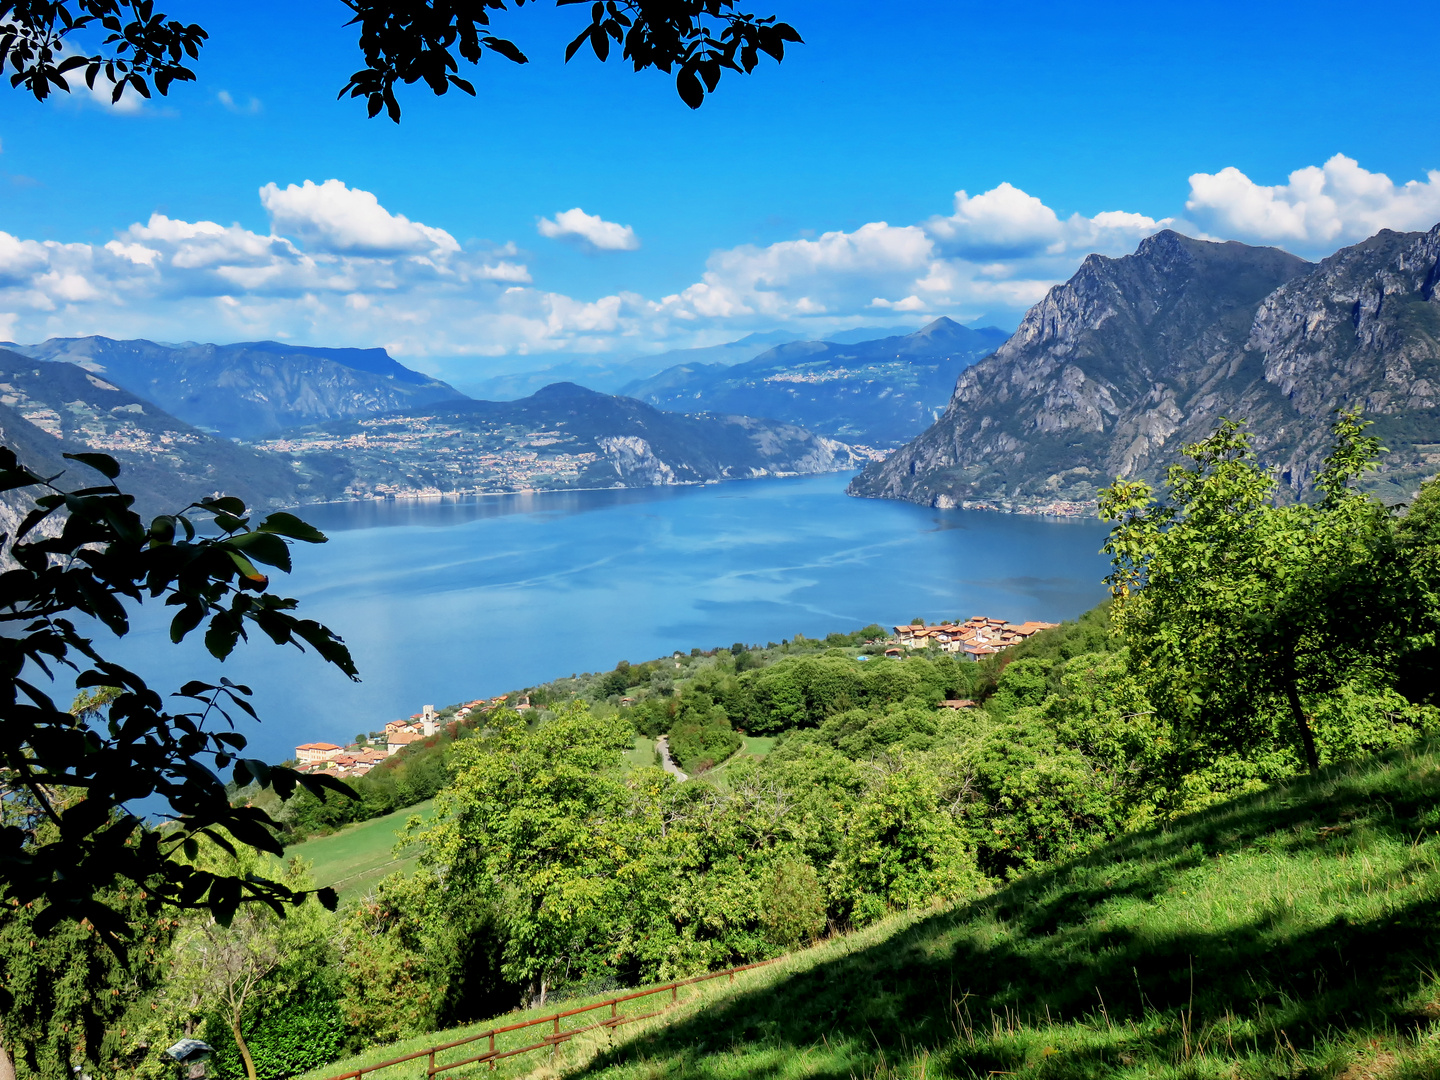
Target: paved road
{"x":663,"y":745}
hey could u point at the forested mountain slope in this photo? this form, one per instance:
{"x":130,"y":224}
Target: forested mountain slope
{"x":49,"y":409}
{"x":563,"y":436}
{"x":877,"y":392}
{"x":254,"y":388}
{"x":1133,"y":357}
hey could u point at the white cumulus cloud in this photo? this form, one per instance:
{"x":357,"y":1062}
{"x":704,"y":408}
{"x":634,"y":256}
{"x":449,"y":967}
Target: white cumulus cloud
{"x":590,"y":230}
{"x":1321,"y":207}
{"x":334,"y":218}
{"x":337,"y":267}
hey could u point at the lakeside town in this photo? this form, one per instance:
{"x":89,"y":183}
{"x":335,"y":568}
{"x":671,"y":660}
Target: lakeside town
{"x":975,"y":639}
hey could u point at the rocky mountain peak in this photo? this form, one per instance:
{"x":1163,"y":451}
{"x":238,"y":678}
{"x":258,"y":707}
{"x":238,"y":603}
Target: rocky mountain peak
{"x":1134,"y":356}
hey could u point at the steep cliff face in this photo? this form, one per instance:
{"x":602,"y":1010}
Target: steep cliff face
{"x":251,"y":389}
{"x":1116,"y":369}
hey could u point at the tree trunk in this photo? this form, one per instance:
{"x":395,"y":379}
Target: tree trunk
{"x":1301,"y":721}
{"x":7,"y":1065}
{"x":241,"y":1045}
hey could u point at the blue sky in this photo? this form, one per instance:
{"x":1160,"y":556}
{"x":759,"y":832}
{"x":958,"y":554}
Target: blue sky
{"x":1069,"y":128}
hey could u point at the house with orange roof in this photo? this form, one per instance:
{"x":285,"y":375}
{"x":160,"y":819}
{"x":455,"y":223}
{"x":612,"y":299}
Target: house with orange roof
{"x":401,"y":739}
{"x":316,"y":751}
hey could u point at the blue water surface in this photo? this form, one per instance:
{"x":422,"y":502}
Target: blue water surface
{"x":442,"y":601}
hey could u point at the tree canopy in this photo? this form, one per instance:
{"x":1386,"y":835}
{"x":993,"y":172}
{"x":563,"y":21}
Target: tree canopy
{"x":402,"y":42}
{"x":1239,"y":610}
{"x":73,"y":783}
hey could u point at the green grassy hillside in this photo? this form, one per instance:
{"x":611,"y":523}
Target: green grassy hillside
{"x":1293,"y":933}
{"x":359,"y":856}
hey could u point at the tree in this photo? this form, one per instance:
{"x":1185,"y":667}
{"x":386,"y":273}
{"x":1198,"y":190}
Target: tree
{"x":68,"y":781}
{"x":529,"y":825}
{"x":1238,"y":610}
{"x":235,"y":967}
{"x":402,"y":42}
{"x":64,"y":990}
{"x":900,"y":851}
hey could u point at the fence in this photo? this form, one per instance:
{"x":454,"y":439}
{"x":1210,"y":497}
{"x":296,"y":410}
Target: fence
{"x":555,"y":1037}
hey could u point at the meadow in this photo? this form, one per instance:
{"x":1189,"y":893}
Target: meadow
{"x":356,"y":857}
{"x":1291,"y":933}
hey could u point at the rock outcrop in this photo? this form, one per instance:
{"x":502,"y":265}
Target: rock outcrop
{"x":1132,"y":358}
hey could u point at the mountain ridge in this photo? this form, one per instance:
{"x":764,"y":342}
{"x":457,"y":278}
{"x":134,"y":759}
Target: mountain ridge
{"x":564,"y":436}
{"x":1133,"y":357}
{"x":875,"y":392}
{"x":249,"y":389}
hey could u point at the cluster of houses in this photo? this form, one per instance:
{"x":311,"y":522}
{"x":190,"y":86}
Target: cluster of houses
{"x":358,"y":759}
{"x":975,"y":638}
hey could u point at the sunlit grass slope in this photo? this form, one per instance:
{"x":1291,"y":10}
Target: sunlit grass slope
{"x":359,"y":856}
{"x":1294,"y":933}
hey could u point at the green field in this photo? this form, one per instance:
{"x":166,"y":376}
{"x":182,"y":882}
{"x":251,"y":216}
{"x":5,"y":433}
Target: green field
{"x":1293,"y":933}
{"x":358,"y":856}
{"x":750,"y":746}
{"x":643,"y":755}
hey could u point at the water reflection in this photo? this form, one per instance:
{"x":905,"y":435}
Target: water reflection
{"x":459,"y":510}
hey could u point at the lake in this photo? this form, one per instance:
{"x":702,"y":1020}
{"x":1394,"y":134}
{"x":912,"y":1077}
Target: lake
{"x":443,"y":601}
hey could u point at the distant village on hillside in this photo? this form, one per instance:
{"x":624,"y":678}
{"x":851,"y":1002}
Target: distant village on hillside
{"x":360,"y":757}
{"x":974,"y":639}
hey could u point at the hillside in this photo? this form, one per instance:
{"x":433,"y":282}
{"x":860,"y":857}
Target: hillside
{"x":357,"y":857}
{"x":1136,"y":356}
{"x":1288,"y":933}
{"x":877,"y":393}
{"x":563,"y":436}
{"x":48,"y":409}
{"x":251,"y":388}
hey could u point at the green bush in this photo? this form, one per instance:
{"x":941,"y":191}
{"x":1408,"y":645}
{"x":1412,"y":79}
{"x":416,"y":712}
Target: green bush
{"x":301,"y":1032}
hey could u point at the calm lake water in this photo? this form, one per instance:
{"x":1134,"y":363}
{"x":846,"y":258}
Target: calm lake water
{"x":446,"y":601}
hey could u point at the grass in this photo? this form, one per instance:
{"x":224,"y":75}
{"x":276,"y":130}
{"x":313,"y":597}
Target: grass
{"x":643,"y":755}
{"x":750,"y":746}
{"x":758,"y":745}
{"x":359,"y":856}
{"x":582,"y":1048}
{"x":1294,"y":933}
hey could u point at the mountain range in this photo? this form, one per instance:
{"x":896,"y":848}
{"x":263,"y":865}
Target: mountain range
{"x":562,"y":436}
{"x":1113,"y":371}
{"x":250,"y":389}
{"x":878,"y":392}
{"x":609,"y":374}
{"x":49,"y":409}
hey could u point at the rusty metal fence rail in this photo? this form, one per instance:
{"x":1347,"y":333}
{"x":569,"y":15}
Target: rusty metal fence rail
{"x":555,"y":1036}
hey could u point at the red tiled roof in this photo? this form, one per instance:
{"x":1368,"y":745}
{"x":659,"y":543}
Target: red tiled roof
{"x":327,"y":746}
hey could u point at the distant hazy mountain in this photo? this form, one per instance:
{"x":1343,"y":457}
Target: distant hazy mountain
{"x":876,"y":392}
{"x":252,"y":388}
{"x":563,"y":436}
{"x":49,"y":409}
{"x":1133,"y":357}
{"x":608,"y":373}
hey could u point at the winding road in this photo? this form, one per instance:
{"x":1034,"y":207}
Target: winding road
{"x":662,"y":744}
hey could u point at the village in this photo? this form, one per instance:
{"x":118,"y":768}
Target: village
{"x":357,"y":759}
{"x":975,"y":639}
